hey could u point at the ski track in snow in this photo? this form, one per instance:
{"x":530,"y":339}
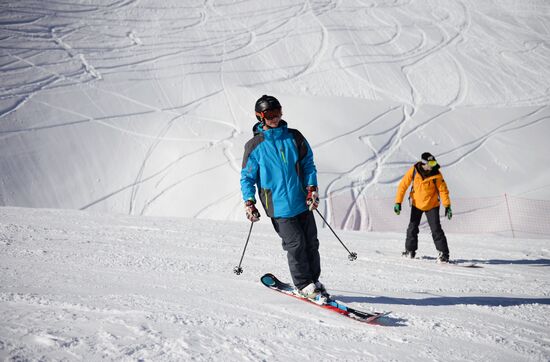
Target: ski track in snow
{"x":66,"y":47}
{"x":127,"y":288}
{"x":122,"y":287}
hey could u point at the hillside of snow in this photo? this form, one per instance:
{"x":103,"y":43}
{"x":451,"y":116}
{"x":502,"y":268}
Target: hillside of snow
{"x":143,"y":107}
{"x":87,"y":286}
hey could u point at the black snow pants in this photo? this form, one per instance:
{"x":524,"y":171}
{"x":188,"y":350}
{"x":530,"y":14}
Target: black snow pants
{"x":300,"y":241}
{"x":440,"y":241}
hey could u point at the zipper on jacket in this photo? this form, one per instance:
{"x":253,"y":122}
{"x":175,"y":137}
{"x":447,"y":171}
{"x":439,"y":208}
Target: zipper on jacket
{"x":283,"y":155}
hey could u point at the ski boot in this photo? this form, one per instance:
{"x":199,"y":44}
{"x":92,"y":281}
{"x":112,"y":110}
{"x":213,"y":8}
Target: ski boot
{"x":312,"y":293}
{"x":442,"y":258}
{"x":324,"y":296}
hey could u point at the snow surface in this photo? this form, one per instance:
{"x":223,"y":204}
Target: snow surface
{"x":85,"y":286}
{"x":135,"y":109}
{"x":142,"y":107}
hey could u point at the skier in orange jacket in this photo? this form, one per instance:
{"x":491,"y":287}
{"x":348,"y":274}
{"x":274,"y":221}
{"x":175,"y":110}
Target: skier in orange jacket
{"x":427,"y":191}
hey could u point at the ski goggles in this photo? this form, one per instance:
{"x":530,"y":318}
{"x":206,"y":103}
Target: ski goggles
{"x":272,"y":113}
{"x":431,"y":163}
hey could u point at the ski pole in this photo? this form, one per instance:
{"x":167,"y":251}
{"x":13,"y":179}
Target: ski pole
{"x":238,"y":270}
{"x":352,"y":255}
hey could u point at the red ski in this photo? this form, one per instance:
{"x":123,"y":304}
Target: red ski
{"x":271,"y":281}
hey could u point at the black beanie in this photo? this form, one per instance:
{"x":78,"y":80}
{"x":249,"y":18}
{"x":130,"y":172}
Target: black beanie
{"x":426,"y":156}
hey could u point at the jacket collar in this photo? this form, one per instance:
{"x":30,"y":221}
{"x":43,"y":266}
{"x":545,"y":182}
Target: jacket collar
{"x":424,"y":174}
{"x":272,"y":132}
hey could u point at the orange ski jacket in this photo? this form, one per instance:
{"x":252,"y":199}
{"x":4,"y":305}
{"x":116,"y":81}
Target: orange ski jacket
{"x":427,"y":191}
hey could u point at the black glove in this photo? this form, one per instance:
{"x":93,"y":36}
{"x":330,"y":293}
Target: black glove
{"x":397,"y":208}
{"x":251,"y":212}
{"x":449,"y":212}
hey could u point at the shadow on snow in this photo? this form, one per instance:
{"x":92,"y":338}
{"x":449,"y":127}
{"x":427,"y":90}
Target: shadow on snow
{"x":444,"y":301}
{"x":531,"y":262}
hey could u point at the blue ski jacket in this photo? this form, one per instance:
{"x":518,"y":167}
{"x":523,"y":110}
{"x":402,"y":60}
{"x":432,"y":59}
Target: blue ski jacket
{"x":280,"y":162}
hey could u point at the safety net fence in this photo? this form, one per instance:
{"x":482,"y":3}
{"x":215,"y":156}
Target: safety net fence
{"x":501,"y":215}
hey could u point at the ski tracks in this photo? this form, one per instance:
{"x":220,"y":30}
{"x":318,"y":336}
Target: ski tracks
{"x":149,"y":47}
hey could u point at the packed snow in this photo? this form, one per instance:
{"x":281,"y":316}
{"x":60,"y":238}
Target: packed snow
{"x":122,"y":126}
{"x":83,"y":286}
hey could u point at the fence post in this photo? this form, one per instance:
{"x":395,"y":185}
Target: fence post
{"x":509,"y":216}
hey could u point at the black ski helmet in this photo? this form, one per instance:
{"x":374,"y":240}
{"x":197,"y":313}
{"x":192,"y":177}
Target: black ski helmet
{"x":265,"y":103}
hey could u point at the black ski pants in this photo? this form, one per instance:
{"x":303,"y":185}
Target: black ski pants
{"x":440,"y":240}
{"x":299,"y":235}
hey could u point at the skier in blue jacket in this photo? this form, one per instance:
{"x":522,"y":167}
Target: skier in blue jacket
{"x":279,"y":161}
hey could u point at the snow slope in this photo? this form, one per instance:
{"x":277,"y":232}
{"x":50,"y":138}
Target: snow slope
{"x":127,"y":108}
{"x":86,"y":286}
{"x":133,"y":106}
